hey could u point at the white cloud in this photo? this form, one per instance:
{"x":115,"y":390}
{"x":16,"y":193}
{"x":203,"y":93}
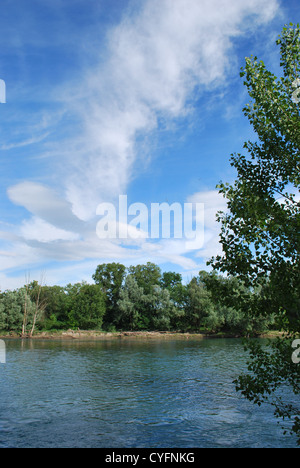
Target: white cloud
{"x":40,"y":240}
{"x":213,"y":203}
{"x":156,"y":58}
{"x":44,"y":203}
{"x":26,"y":142}
{"x":36,"y":228}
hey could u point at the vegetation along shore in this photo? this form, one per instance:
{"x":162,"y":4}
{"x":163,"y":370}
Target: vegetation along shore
{"x":126,"y":302}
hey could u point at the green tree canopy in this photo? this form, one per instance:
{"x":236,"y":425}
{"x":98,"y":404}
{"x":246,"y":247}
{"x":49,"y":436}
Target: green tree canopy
{"x":87,"y":307}
{"x":260,"y":233}
{"x":132,"y":305}
{"x":110,"y":277}
{"x":12,"y":307}
{"x":147,"y":276}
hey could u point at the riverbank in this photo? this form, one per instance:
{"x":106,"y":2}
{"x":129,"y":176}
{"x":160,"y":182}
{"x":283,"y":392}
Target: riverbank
{"x":100,"y":335}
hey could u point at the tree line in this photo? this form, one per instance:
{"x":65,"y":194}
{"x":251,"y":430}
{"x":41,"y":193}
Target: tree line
{"x":136,"y":298}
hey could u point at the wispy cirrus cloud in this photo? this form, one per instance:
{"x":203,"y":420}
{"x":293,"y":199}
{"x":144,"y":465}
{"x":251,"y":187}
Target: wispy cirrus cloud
{"x":156,"y":59}
{"x":26,"y":142}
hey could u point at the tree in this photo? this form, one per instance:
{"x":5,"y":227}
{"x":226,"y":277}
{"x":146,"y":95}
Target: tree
{"x":2,"y":314}
{"x":132,"y":305}
{"x":25,"y":312}
{"x":199,"y":305}
{"x":140,"y":311}
{"x":147,"y":276}
{"x":270,"y":371}
{"x":232,"y":302}
{"x":260,"y":232}
{"x":110,"y":277}
{"x":172,"y":282}
{"x":87,"y":307}
{"x":55,"y":299}
{"x":162,"y":309}
{"x":35,"y":289}
{"x":13,"y":306}
{"x":170,"y":279}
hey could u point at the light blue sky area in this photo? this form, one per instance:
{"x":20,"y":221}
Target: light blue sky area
{"x":113,"y":97}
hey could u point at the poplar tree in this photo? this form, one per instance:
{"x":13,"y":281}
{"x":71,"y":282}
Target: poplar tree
{"x":260,"y":233}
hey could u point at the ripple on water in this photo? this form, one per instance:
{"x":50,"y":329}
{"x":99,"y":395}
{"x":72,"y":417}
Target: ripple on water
{"x":130,"y":394}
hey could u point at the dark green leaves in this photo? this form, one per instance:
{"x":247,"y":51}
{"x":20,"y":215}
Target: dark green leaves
{"x":260,"y":233}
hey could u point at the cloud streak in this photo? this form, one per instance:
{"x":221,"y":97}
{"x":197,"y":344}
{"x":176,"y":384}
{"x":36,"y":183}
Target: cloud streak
{"x":155,"y":60}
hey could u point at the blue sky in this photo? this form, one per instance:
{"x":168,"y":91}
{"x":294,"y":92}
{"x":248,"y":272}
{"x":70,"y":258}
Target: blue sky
{"x":113,"y":97}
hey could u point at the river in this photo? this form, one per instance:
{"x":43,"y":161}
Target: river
{"x":123,"y":393}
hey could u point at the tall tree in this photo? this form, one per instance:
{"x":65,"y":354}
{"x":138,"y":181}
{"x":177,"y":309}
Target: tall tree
{"x":13,"y":306}
{"x":56,"y":302}
{"x":260,"y":233}
{"x":110,"y":278}
{"x":199,"y":304}
{"x":140,"y":311}
{"x":87,"y":307}
{"x":35,"y":291}
{"x":25,"y":313}
{"x":132,"y":304}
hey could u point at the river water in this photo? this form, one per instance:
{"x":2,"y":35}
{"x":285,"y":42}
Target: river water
{"x":125,"y":393}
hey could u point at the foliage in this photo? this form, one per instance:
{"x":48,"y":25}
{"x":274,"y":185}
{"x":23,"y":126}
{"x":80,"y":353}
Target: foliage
{"x":110,"y":278}
{"x":162,"y":309}
{"x":147,"y":276}
{"x":87,"y":307}
{"x":56,"y":307}
{"x":234,"y":304}
{"x":146,"y":300}
{"x":145,"y":311}
{"x":260,"y":232}
{"x":271,"y":370}
{"x":199,"y":304}
{"x":132,"y":304}
{"x":170,"y":280}
{"x":12,"y":307}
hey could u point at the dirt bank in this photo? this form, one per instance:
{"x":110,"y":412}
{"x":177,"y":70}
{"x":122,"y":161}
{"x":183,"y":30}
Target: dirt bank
{"x":100,"y":335}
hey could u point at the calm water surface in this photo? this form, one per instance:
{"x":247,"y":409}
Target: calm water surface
{"x":130,"y":393}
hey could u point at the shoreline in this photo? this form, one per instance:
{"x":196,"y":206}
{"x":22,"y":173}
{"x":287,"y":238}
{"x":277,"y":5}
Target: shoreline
{"x":100,"y":335}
